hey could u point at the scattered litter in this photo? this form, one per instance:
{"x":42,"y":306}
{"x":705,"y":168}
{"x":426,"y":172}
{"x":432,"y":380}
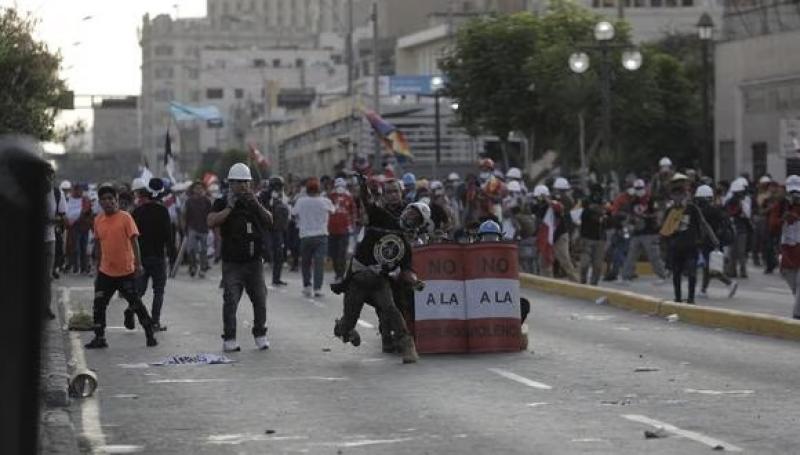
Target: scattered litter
{"x":718,"y":447}
{"x":673,"y":318}
{"x":601,"y":300}
{"x":590,"y":317}
{"x":269,"y":431}
{"x":196,"y":359}
{"x":658,"y":433}
{"x":645,"y":369}
{"x":81,"y":322}
{"x":624,"y":402}
{"x":326,"y":349}
{"x":626,"y":329}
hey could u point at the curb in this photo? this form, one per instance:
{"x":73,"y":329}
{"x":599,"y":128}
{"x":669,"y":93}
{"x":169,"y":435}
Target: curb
{"x":754,"y":323}
{"x":54,"y":374}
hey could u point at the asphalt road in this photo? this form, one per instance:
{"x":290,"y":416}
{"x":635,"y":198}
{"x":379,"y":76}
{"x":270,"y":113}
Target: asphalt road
{"x":576,"y":389}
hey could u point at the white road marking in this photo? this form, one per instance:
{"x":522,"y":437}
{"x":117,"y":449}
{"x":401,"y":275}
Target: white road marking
{"x":533,"y":405}
{"x":236,"y":439}
{"x":720,"y":392}
{"x":589,"y":440}
{"x":776,"y":289}
{"x":370,"y":442}
{"x":365,"y":324}
{"x":186,"y":381}
{"x":521,"y":379}
{"x":120,"y":448}
{"x":693,"y":435}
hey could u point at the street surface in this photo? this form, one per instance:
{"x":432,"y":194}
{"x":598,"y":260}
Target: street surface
{"x":576,"y":389}
{"x":759,"y":293}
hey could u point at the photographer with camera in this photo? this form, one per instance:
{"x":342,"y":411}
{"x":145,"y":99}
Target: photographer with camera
{"x":242,"y":222}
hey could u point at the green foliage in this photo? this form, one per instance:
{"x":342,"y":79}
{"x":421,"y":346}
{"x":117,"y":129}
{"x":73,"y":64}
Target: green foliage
{"x":511,"y":73}
{"x":31,"y":88}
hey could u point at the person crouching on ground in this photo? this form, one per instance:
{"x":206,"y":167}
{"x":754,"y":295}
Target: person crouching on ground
{"x":120,"y":263}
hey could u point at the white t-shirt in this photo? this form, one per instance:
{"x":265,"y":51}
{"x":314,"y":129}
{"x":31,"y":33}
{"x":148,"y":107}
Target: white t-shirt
{"x":312,"y":215}
{"x":74,"y":208}
{"x":52,"y":210}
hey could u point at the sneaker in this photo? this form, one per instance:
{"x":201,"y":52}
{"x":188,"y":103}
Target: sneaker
{"x":307,"y":291}
{"x":151,"y":341}
{"x":231,"y":346}
{"x":201,"y":274}
{"x":262,"y":343}
{"x":96,"y":343}
{"x":157,"y":327}
{"x":732,"y":289}
{"x":319,"y":293}
{"x":129,"y":322}
{"x":280,"y":283}
{"x":192,"y":271}
{"x":703,"y":293}
{"x":408,"y":350}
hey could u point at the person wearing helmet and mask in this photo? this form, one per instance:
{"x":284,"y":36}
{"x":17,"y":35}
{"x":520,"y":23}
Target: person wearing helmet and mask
{"x":739,"y":208}
{"x":563,"y":231}
{"x":441,"y":212}
{"x":641,"y":222}
{"x":720,"y":224}
{"x":660,"y":184}
{"x":409,"y":188}
{"x":785,"y":218}
{"x":685,"y":230}
{"x":382,"y":255}
{"x":242,"y":221}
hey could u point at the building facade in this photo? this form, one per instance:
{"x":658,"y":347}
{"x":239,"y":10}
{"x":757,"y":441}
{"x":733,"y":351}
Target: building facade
{"x":757,"y":91}
{"x":116,"y":125}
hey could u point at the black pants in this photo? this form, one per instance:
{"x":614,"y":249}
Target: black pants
{"x":337,"y":251}
{"x":155,"y":268}
{"x":277,"y":246}
{"x":368,"y":287}
{"x":243,"y":277}
{"x":403,"y":297}
{"x":104,"y":288}
{"x":684,"y":262}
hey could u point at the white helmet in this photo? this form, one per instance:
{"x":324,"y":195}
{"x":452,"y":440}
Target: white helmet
{"x":65,"y":185}
{"x":704,"y":191}
{"x":514,"y":186}
{"x":561,"y":184}
{"x":639,"y":184}
{"x":239,"y":171}
{"x":514,"y":173}
{"x":138,"y":184}
{"x":743,"y":181}
{"x":792,"y":183}
{"x":541,"y":190}
{"x":424,"y":210}
{"x":340,"y":183}
{"x":665,"y":162}
{"x":737,"y":186}
{"x":436,"y":185}
{"x":765,"y":179}
{"x":453,"y":177}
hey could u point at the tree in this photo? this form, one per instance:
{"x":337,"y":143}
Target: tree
{"x":32,"y":89}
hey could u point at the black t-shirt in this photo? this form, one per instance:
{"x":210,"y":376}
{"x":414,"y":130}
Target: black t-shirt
{"x":152,"y":220}
{"x":383,"y":236}
{"x":242,"y":233}
{"x":593,"y":226}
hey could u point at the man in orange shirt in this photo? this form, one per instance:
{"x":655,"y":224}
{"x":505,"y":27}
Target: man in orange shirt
{"x":120,"y":263}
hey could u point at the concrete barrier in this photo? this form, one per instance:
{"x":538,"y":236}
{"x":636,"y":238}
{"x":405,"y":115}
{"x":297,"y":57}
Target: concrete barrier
{"x":755,"y":323}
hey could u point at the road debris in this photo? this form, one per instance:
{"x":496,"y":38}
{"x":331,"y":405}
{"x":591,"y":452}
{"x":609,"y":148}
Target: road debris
{"x":195,"y":359}
{"x":658,"y":433}
{"x":645,"y":369}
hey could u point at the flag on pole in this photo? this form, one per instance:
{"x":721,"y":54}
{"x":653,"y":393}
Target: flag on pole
{"x":393,"y":139}
{"x":169,"y":159}
{"x":144,"y":171}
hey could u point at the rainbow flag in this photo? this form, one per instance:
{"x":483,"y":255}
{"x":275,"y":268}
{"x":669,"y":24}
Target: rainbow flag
{"x":393,"y":139}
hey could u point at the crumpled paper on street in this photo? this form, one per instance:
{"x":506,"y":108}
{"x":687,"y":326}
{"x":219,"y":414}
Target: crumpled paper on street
{"x":195,"y":359}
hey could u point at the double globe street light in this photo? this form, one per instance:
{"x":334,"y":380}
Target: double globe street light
{"x":579,"y":63}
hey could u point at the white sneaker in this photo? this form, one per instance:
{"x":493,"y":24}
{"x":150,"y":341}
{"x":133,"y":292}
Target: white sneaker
{"x":262,"y":343}
{"x":319,"y":293}
{"x":231,"y":346}
{"x":732,"y":289}
{"x":307,"y":291}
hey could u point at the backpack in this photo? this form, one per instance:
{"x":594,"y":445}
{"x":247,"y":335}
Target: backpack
{"x":727,"y":232}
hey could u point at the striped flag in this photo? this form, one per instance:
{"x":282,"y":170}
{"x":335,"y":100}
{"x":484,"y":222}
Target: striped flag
{"x":393,"y":139}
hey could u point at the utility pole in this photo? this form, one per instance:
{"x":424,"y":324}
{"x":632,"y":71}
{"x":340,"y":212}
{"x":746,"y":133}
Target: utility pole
{"x":621,"y":9}
{"x":376,"y":92}
{"x":350,"y":74}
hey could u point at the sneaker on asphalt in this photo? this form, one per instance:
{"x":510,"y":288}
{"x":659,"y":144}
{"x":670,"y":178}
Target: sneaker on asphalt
{"x":201,"y":274}
{"x":262,"y":343}
{"x":231,"y":346}
{"x":408,"y":350}
{"x":319,"y":293}
{"x":307,"y":291}
{"x":96,"y":343}
{"x":279,"y":283}
{"x":732,"y":289}
{"x":157,"y":327}
{"x":151,"y":341}
{"x":129,"y":322}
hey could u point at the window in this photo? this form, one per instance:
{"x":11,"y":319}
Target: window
{"x":259,"y":63}
{"x":298,"y":63}
{"x":238,"y":93}
{"x":276,"y":63}
{"x":215,"y":93}
{"x":164,"y":72}
{"x":640,"y":3}
{"x":759,"y":159}
{"x":192,"y":73}
{"x":163,"y":50}
{"x":656,"y":3}
{"x":671,"y":3}
{"x":687,"y":2}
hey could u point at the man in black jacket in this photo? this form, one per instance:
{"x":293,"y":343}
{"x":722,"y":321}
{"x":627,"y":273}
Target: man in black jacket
{"x":152,"y":220}
{"x":273,"y":200}
{"x":242,"y":222}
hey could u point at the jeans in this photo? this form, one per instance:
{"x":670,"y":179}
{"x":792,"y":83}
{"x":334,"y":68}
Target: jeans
{"x":155,"y":268}
{"x":592,"y":255}
{"x":197,"y":244}
{"x":337,"y":250}
{"x":313,"y":248}
{"x":236,"y":278}
{"x":737,"y":255}
{"x":792,"y":277}
{"x":104,"y":288}
{"x":276,"y":242}
{"x":78,"y":257}
{"x":650,"y":245}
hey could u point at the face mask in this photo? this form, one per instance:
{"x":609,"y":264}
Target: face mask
{"x":485,"y":175}
{"x":640,"y":193}
{"x":339,"y":190}
{"x":631,"y":191}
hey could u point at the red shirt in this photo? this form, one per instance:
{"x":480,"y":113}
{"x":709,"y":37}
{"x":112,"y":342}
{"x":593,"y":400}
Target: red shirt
{"x":341,"y":220}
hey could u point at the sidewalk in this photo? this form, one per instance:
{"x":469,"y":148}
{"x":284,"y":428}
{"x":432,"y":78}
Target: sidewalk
{"x":760,"y":293}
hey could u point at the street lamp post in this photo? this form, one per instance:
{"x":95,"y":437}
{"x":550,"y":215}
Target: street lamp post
{"x":579,"y":63}
{"x":705,"y":31}
{"x":436,"y":87}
